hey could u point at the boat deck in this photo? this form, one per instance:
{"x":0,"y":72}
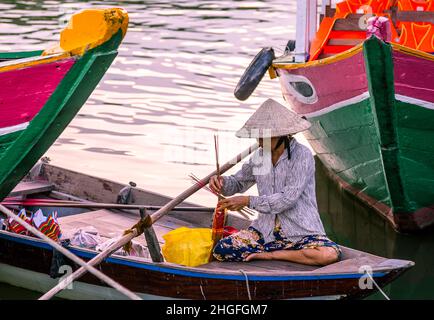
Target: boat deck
{"x":111,"y":224}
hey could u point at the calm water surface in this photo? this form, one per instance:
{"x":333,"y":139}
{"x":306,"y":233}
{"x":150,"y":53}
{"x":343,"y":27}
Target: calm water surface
{"x":152,"y":118}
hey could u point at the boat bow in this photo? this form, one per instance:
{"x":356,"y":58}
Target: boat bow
{"x":42,"y":91}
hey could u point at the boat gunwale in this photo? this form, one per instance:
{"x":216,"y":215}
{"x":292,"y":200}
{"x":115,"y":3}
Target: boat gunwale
{"x":21,"y":63}
{"x":280,"y":63}
{"x":112,"y":182}
{"x":338,"y":57}
{"x":13,"y":55}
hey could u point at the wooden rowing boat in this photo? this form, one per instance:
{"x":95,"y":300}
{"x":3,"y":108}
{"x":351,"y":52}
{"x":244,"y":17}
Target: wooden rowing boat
{"x":42,"y":91}
{"x":370,"y":102}
{"x":26,"y":261}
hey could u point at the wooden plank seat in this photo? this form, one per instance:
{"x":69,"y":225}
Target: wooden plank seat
{"x":413,"y":16}
{"x":31,"y":187}
{"x":350,"y":23}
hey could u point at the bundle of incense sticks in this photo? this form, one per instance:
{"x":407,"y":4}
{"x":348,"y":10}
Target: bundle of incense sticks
{"x":244,"y":211}
{"x":219,"y":216}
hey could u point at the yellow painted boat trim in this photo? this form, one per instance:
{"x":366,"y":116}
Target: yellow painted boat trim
{"x":86,"y":30}
{"x":346,"y":54}
{"x":342,"y":56}
{"x":412,"y":52}
{"x":34,"y":61}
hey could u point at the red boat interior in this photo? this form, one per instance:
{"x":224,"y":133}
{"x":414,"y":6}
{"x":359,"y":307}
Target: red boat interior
{"x":344,"y":27}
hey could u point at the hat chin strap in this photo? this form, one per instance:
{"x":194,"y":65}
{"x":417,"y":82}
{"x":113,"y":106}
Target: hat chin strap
{"x":287,"y":141}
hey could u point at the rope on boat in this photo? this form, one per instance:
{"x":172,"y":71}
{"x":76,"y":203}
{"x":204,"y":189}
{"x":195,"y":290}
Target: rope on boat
{"x":140,"y":227}
{"x":201,"y":290}
{"x":378,"y":287}
{"x":247,"y":283}
{"x":71,"y":256}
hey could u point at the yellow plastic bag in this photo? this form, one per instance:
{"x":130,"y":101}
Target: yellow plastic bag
{"x":188,"y":246}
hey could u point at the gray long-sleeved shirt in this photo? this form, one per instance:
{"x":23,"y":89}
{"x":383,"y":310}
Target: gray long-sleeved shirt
{"x":286,"y":189}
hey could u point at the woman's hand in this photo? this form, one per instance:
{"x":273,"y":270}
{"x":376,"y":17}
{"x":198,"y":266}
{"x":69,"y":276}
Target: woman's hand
{"x":234,"y":203}
{"x":216,"y":184}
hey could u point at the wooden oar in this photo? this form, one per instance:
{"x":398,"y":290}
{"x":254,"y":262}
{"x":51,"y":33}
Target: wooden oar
{"x":77,"y":204}
{"x":154,"y":217}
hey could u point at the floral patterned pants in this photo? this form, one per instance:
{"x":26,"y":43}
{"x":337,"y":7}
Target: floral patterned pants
{"x":238,"y":246}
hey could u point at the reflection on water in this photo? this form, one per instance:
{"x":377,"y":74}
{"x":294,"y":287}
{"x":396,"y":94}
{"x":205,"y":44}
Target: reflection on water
{"x":352,"y":224}
{"x":152,"y":118}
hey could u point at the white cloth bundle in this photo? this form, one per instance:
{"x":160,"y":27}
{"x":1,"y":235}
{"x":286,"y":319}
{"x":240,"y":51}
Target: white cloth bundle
{"x":137,"y":250}
{"x":86,"y":238}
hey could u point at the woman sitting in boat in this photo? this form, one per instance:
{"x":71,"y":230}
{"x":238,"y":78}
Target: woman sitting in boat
{"x":288,"y":226}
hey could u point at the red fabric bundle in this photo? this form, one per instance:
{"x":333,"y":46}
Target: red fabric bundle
{"x":47,"y":225}
{"x":15,"y":227}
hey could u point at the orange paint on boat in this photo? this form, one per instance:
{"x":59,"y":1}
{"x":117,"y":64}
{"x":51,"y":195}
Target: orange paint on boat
{"x":415,"y":35}
{"x":86,"y":30}
{"x":90,"y":28}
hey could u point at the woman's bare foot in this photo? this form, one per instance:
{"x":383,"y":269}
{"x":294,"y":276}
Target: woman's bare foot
{"x":259,"y":256}
{"x":319,"y":256}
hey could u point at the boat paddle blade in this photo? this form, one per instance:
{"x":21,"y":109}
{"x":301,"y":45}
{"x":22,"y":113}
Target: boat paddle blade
{"x":254,"y":73}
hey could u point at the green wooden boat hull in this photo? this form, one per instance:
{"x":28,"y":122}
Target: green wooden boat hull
{"x":372,"y":115}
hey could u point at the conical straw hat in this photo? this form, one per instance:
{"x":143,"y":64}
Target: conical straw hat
{"x":272,"y":120}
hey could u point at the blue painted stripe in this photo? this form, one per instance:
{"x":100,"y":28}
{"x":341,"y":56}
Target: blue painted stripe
{"x":189,"y":273}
